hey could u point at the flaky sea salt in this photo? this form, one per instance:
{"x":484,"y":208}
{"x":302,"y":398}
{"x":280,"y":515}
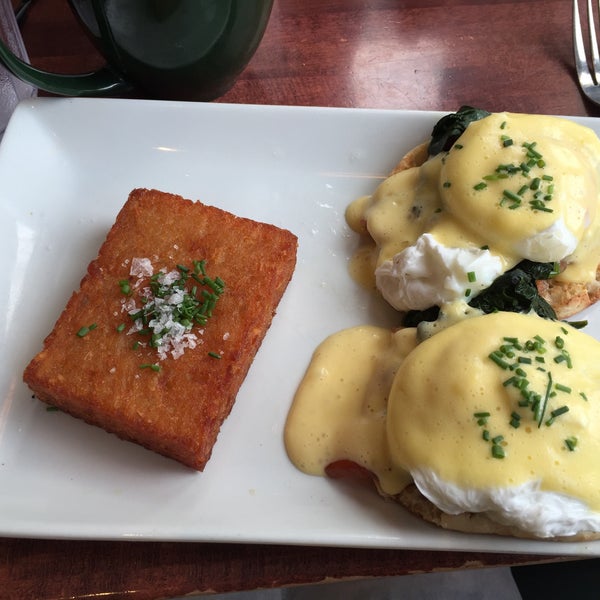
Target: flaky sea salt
{"x":141,"y":267}
{"x":172,"y":337}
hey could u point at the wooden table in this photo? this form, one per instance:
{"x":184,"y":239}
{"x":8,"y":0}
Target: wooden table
{"x":404,"y":54}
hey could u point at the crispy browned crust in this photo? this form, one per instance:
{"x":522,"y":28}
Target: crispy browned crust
{"x":569,"y":298}
{"x":179,"y":410}
{"x":566,"y":298}
{"x":411,"y":499}
{"x":413,"y":158}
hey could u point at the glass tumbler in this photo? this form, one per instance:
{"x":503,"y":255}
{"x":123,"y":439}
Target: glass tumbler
{"x":12,"y":90}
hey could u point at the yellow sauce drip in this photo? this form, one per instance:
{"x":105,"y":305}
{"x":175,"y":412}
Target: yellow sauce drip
{"x":339,"y":411}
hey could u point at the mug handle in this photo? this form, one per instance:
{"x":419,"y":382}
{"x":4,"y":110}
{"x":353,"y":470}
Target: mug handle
{"x":97,"y":83}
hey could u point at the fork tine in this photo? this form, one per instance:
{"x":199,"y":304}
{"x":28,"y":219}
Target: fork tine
{"x":593,"y":42}
{"x":584,"y":76}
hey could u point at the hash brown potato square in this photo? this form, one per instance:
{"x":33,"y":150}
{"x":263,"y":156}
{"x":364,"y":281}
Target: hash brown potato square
{"x":177,"y":410}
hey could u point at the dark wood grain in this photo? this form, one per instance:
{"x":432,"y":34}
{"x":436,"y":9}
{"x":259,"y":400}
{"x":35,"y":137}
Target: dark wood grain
{"x":405,"y":54}
{"x":147,"y":570}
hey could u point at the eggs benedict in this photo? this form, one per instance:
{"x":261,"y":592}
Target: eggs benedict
{"x":496,"y":416}
{"x":482,"y":413}
{"x":510,"y":188}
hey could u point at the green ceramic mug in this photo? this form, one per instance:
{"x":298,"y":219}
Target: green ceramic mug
{"x":168,"y":49}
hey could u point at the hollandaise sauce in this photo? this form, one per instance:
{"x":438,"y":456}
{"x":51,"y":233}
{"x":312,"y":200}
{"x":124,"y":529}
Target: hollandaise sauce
{"x":499,"y":400}
{"x":513,"y":186}
{"x":493,"y":410}
{"x":339,"y":411}
{"x":495,"y":413}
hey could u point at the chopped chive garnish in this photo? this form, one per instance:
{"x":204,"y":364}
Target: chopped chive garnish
{"x":564,"y":357}
{"x":571,"y":443}
{"x":153,"y":367}
{"x":497,"y":451}
{"x":541,"y":187}
{"x":481,"y":417}
{"x":499,"y":360}
{"x":507,"y":350}
{"x":480,"y":186}
{"x":542,"y":408}
{"x":125,"y":287}
{"x":214,"y":355}
{"x":120,"y":327}
{"x":199,"y":267}
{"x":516,"y":356}
{"x":539,"y":205}
{"x":86,"y":329}
{"x":531,"y":150}
{"x":471,"y":276}
{"x":170,"y":309}
{"x":562,"y":388}
{"x":511,"y":196}
{"x":559,"y":411}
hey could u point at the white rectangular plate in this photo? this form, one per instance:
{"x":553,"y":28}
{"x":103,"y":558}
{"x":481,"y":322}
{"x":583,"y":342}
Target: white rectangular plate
{"x":66,"y":168}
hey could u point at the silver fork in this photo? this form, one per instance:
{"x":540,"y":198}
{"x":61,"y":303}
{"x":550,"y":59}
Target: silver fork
{"x":589,"y":80}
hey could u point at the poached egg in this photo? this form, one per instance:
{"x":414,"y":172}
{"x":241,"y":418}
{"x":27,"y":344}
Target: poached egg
{"x":512,"y":187}
{"x":496,"y":414}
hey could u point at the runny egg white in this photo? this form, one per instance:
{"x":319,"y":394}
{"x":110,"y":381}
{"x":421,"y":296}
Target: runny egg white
{"x":429,"y":273}
{"x":512,"y":187}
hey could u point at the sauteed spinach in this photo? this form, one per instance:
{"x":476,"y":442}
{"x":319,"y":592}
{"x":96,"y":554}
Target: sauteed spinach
{"x":450,"y":127}
{"x":515,"y":290}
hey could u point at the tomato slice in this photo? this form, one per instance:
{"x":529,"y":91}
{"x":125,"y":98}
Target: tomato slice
{"x":347,"y":469}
